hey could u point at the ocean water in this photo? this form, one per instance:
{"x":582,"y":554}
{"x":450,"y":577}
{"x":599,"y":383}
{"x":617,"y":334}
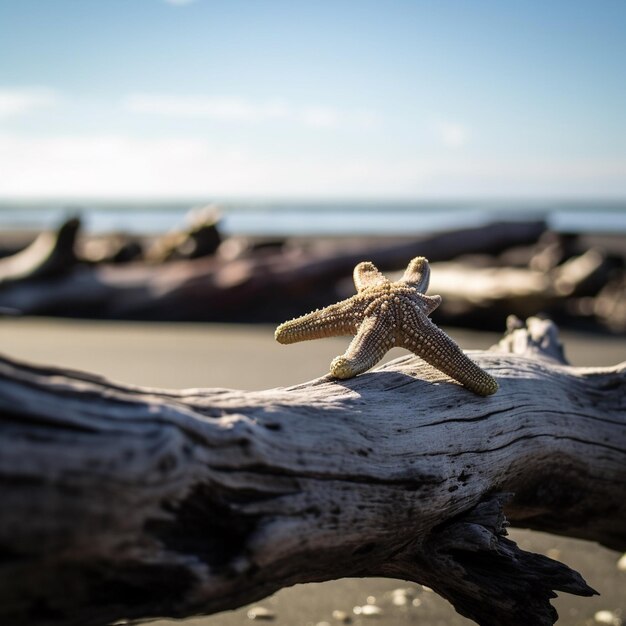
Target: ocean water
{"x":316,"y":218}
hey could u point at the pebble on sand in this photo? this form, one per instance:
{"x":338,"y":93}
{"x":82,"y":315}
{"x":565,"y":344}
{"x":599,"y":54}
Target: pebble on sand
{"x":341,"y":616}
{"x":607,"y":617}
{"x":403,"y":596}
{"x":260,"y":612}
{"x":368,"y":610}
{"x":621,"y":564}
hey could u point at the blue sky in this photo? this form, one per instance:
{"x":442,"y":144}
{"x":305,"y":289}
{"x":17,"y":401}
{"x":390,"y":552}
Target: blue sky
{"x":326,"y":99}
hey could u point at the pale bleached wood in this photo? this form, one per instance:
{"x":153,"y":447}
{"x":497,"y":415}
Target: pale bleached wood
{"x":120,"y":502}
{"x":50,"y":254}
{"x":479,"y":294}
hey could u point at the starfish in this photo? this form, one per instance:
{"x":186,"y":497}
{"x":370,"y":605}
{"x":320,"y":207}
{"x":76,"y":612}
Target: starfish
{"x":381,"y":315}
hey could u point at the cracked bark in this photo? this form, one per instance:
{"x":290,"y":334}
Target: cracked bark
{"x":126,"y":503}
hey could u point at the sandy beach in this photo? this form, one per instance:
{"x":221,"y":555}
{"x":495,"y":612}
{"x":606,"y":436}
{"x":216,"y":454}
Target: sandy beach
{"x":247,"y":357}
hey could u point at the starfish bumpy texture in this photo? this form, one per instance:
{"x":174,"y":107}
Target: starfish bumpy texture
{"x":382,"y":315}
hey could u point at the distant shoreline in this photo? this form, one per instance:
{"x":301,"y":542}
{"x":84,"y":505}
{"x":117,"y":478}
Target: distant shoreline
{"x":319,"y":219}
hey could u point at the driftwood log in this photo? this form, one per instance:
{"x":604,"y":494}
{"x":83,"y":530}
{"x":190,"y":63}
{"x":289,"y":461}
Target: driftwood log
{"x":122,"y":503}
{"x":50,"y":254}
{"x":211,"y":288}
{"x":106,"y":277}
{"x":484,"y":296}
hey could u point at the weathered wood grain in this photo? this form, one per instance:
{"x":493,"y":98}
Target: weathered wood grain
{"x":121,"y":502}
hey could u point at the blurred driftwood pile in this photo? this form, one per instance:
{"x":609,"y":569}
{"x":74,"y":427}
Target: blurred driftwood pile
{"x":483,"y":274}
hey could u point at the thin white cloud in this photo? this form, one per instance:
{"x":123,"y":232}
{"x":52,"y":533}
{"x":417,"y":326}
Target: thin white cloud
{"x":179,"y":3}
{"x":23,"y":101}
{"x":122,"y":166}
{"x":218,"y":107}
{"x":228,"y":108}
{"x":320,"y":117}
{"x":452,"y":134}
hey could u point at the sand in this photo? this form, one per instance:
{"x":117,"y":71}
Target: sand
{"x":246,"y":357}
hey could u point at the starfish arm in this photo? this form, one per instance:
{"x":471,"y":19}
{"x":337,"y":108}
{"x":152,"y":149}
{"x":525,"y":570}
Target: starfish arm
{"x":366,"y":275}
{"x":427,"y":303}
{"x":417,"y":274}
{"x":331,"y":321}
{"x":369,"y":345}
{"x":383,"y":314}
{"x":429,"y":342}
